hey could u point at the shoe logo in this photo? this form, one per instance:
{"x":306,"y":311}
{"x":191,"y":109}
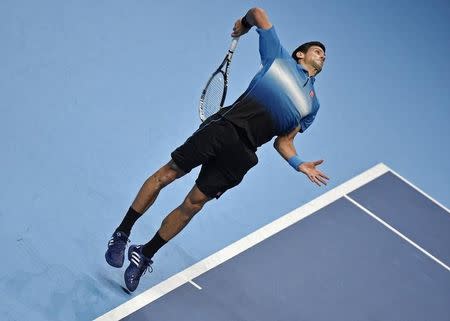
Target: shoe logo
{"x":135,"y":258}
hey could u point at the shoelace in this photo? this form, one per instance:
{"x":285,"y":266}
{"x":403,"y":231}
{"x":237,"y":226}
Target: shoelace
{"x":148,"y":268}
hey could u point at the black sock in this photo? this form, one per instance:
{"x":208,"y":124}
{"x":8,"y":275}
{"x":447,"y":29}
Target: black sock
{"x":153,"y":246}
{"x":128,"y":221}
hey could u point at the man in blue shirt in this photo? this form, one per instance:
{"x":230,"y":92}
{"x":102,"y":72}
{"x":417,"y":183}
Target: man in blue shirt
{"x":280,"y":102}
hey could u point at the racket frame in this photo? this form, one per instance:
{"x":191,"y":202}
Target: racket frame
{"x":226,"y":62}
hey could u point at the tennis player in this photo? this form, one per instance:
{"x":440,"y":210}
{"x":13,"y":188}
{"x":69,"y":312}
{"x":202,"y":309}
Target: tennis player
{"x":280,"y":102}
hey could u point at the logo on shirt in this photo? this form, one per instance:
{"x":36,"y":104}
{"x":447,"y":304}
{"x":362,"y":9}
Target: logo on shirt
{"x":311,"y":93}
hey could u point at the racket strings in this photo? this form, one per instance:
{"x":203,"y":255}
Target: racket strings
{"x":213,"y":95}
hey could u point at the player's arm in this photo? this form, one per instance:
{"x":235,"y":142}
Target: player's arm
{"x":254,"y":17}
{"x":285,"y":147}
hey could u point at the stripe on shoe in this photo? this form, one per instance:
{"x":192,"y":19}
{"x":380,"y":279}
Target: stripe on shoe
{"x":135,"y":258}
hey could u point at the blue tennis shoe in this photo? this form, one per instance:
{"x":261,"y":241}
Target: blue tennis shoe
{"x":138,"y":265}
{"x":116,"y":249}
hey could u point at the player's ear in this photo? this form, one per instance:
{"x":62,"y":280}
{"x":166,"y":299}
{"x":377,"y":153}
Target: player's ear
{"x":300,"y":55}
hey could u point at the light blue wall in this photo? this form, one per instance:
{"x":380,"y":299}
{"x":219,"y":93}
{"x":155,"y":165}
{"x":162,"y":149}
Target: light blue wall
{"x":94,"y":95}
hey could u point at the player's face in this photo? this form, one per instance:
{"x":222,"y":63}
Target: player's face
{"x":315,"y":57}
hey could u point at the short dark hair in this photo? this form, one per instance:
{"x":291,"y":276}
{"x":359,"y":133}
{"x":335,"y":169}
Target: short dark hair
{"x":305,"y":47}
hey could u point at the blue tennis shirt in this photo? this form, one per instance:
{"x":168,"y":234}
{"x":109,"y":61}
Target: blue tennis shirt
{"x":279,"y":98}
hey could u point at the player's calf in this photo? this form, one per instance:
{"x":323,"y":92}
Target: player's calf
{"x":154,"y":184}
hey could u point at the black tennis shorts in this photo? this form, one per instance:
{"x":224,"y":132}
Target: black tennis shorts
{"x":223,"y":154}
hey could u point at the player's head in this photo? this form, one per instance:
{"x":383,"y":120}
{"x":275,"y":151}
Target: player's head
{"x":310,"y":54}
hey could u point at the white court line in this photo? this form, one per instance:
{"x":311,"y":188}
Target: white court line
{"x":398,"y":233}
{"x":195,"y":284}
{"x":420,"y":191}
{"x":241,"y":245}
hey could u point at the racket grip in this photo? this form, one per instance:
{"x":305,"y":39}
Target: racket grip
{"x":234,"y":43}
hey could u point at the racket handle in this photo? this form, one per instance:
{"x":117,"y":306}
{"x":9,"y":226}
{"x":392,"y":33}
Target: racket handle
{"x":234,"y":43}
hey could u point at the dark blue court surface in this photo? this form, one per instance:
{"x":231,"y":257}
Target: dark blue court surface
{"x":374,"y":248}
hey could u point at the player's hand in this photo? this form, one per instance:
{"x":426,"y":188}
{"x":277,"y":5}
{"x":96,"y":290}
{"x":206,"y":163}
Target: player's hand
{"x":314,"y":175}
{"x":239,"y":29}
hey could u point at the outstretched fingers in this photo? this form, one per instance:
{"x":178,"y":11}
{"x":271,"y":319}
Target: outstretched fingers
{"x":322,"y":175}
{"x":314,"y":180}
{"x":318,"y":178}
{"x":322,"y":179}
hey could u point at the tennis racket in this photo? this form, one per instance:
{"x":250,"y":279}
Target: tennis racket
{"x":213,"y":96}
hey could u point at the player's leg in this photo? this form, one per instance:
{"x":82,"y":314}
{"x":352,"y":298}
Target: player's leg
{"x":180,"y":217}
{"x":231,"y":161}
{"x":144,"y":199}
{"x":140,"y":255}
{"x":154,"y":184}
{"x":196,"y":150}
{"x":220,"y":174}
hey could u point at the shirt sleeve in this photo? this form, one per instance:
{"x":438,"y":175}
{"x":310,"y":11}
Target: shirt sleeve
{"x":269,"y":45}
{"x":305,"y":122}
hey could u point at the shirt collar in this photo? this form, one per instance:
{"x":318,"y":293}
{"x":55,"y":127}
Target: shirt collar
{"x":303,"y":69}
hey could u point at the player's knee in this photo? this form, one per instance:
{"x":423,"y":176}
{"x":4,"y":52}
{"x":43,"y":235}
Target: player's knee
{"x":164,"y":177}
{"x":174,"y":167}
{"x":192,"y":206}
